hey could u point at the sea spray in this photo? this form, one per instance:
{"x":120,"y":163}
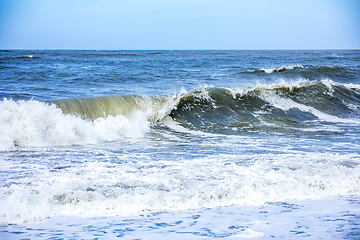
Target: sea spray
{"x":38,"y":124}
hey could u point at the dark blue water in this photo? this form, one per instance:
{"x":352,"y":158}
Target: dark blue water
{"x":174,"y":144}
{"x":59,"y":74}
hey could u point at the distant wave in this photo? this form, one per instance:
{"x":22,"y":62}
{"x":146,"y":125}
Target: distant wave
{"x":280,"y":69}
{"x":313,"y":72}
{"x":27,"y":56}
{"x":289,"y":68}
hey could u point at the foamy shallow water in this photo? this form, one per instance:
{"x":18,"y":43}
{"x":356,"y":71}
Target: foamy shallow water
{"x":331,"y":218}
{"x":226,"y":189}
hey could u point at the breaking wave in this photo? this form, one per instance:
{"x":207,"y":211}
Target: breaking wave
{"x":276,"y":109}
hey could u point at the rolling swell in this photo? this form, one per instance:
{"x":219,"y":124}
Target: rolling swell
{"x":241,"y":107}
{"x":277,"y":108}
{"x":313,"y":72}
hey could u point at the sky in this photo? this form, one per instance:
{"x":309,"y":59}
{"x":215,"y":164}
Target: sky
{"x":179,"y":24}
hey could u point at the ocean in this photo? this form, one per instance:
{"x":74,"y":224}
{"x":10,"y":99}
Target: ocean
{"x":180,"y":144}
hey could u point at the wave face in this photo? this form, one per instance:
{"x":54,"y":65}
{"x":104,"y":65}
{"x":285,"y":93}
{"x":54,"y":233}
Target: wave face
{"x":154,"y":108}
{"x":275,"y":109}
{"x":78,"y":121}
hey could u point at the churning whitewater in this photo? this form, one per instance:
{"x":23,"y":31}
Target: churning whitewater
{"x":194,"y":144}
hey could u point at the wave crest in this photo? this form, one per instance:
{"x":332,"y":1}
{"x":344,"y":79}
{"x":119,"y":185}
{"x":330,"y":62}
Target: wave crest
{"x":280,"y":69}
{"x":271,"y":108}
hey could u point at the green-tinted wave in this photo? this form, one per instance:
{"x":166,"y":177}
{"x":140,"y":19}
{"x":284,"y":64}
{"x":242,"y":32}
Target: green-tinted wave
{"x":227,"y":109}
{"x":154,"y":107}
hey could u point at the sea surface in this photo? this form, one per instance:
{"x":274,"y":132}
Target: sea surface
{"x":180,"y":144}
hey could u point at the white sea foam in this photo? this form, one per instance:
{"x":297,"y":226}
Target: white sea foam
{"x":240,"y":91}
{"x":330,"y":83}
{"x":279,"y":69}
{"x":33,"y":123}
{"x":28,"y":56}
{"x":110,"y":189}
{"x":329,"y":218}
{"x":352,"y":86}
{"x":286,"y":104}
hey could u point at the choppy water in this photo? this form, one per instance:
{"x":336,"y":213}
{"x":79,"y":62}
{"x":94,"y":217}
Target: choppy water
{"x":174,"y":144}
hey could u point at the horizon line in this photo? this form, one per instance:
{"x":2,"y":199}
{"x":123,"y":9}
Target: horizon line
{"x":89,"y":49}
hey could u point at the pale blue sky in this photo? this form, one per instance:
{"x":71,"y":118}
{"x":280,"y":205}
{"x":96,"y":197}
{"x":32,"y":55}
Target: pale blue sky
{"x":179,"y":24}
